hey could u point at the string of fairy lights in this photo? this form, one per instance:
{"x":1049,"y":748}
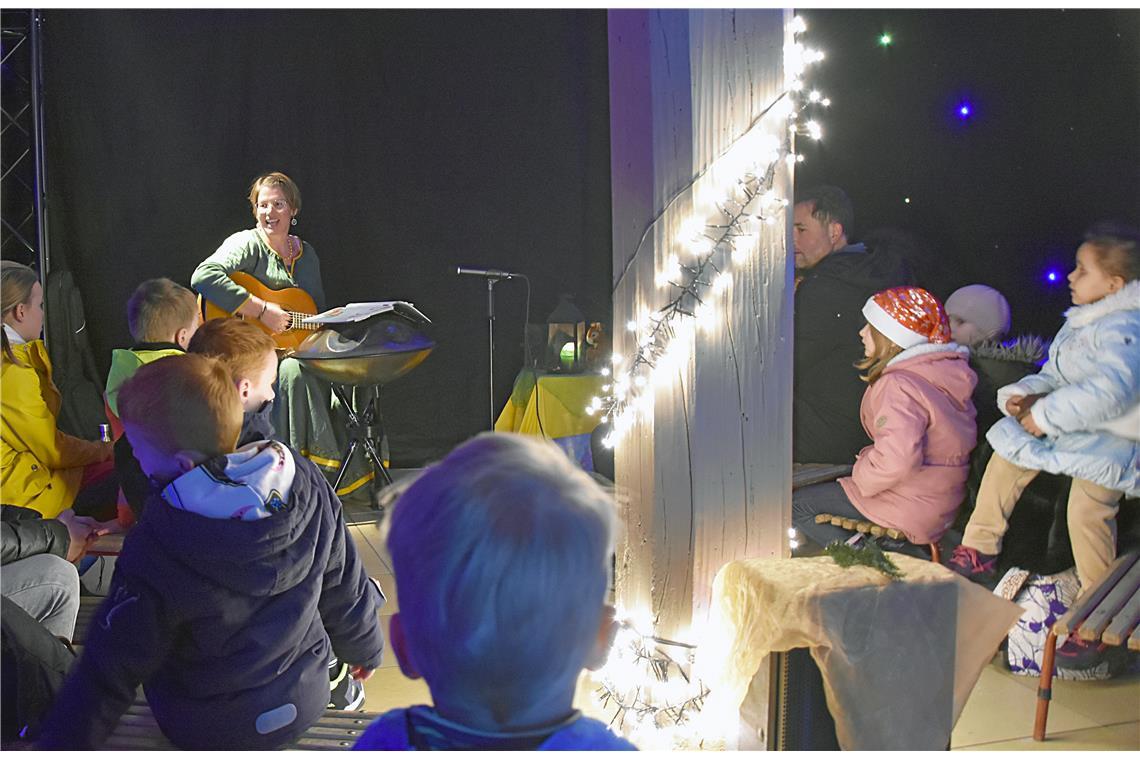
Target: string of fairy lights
{"x":649,"y":681}
{"x":708,"y":247}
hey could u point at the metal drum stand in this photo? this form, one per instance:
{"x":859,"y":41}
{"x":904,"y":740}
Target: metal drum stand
{"x":369,"y":353}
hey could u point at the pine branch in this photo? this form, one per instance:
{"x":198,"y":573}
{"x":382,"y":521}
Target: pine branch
{"x":868,"y":554}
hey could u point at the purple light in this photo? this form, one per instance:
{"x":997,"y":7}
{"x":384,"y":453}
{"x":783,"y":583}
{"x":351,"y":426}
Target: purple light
{"x":964,"y":110}
{"x":1052,"y":276}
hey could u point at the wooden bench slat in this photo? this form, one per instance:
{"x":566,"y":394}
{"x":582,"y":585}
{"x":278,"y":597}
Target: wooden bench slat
{"x":1100,"y":618}
{"x":334,"y":730}
{"x":88,"y":605}
{"x":1088,"y":601}
{"x":1124,"y":623}
{"x":1134,"y":640}
{"x":810,"y":474}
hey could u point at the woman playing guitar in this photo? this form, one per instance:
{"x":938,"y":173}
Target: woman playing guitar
{"x":304,"y":415}
{"x":275,"y":258}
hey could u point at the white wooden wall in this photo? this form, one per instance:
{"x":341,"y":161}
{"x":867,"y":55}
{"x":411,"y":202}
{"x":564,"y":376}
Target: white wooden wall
{"x":707,"y":477}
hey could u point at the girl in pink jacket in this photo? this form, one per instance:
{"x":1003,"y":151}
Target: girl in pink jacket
{"x":919,"y":414}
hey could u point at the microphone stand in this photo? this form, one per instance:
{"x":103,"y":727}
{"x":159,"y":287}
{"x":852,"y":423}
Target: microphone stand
{"x":492,"y":276}
{"x":491,"y":342}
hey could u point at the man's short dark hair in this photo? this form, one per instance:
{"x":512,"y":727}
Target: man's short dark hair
{"x":830,"y":204}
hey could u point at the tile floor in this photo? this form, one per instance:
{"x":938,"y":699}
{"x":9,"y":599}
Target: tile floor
{"x":998,"y":716}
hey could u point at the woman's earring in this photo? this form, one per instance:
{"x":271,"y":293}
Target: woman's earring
{"x":294,"y":222}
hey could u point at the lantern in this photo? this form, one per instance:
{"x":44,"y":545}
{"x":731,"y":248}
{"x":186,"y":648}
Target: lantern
{"x":566,"y":336}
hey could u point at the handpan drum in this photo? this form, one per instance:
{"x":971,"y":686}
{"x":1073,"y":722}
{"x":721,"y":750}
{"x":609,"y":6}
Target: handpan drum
{"x":374,"y":351}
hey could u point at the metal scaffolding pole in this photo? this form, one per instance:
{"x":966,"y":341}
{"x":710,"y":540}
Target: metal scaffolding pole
{"x":23,"y":169}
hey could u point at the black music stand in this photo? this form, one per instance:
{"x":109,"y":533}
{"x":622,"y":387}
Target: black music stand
{"x":366,"y":354}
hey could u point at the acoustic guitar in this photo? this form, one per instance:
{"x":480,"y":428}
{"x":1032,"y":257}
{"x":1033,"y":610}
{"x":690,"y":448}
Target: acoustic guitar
{"x":295,"y":302}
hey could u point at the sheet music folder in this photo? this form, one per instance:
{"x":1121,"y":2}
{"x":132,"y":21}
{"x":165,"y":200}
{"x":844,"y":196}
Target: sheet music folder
{"x":357,"y":312}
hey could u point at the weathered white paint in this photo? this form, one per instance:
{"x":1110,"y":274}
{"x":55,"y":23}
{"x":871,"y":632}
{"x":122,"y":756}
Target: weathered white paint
{"x":708,"y":478}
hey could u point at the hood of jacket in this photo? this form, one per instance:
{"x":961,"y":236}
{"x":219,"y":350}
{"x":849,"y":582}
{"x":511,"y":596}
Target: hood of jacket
{"x":999,"y":364}
{"x":944,"y":365}
{"x":265,"y":555}
{"x":1024,"y":349}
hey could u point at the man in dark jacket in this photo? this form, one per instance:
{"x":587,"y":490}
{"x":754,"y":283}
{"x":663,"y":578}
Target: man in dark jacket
{"x":232,"y":592}
{"x":834,"y":279}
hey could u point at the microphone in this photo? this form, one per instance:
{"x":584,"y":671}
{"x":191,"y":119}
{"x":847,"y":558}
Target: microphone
{"x":492,"y":274}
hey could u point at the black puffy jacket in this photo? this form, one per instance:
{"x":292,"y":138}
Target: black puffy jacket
{"x":827,"y":390}
{"x":26,"y":533}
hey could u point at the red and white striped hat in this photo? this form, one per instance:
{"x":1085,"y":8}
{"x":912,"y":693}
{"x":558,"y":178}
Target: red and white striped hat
{"x":908,"y":316}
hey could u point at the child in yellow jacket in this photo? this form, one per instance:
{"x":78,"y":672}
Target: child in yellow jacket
{"x":41,"y":467}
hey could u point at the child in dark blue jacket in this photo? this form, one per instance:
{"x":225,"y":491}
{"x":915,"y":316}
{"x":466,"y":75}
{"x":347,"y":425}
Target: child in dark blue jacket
{"x":232,"y":592}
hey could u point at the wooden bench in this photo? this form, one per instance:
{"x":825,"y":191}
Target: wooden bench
{"x":110,"y":545}
{"x":873,"y":529}
{"x":1108,"y":612}
{"x":87,"y":607}
{"x":335,"y":730}
{"x":137,"y":729}
{"x":806,"y":474}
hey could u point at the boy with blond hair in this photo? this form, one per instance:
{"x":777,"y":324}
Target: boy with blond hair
{"x":231,"y":593}
{"x":162,"y":317}
{"x":502,"y":558}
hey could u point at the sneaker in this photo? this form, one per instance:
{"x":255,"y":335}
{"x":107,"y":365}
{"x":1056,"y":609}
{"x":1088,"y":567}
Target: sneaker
{"x":1078,"y":654}
{"x":972,"y":565}
{"x":345,"y":692}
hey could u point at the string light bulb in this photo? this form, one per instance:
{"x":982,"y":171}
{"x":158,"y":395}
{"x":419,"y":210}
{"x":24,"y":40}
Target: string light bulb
{"x":715,"y":235}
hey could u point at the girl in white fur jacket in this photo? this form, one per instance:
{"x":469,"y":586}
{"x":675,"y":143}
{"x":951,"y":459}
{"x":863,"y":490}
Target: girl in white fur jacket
{"x":1079,"y":416}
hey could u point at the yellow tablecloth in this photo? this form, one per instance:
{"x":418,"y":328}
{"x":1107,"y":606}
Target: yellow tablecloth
{"x":554,"y":406}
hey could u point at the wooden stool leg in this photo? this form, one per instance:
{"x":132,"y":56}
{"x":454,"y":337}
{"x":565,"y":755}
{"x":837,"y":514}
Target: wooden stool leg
{"x":1045,"y":687}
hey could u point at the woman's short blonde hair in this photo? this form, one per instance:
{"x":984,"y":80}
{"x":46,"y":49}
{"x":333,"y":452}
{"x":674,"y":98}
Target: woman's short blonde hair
{"x":885,"y":350}
{"x":276,"y":179}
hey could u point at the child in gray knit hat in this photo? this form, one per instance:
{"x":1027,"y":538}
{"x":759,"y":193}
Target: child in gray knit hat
{"x":977,"y":313}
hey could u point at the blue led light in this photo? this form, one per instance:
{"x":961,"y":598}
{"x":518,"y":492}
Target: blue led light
{"x":1052,"y":276}
{"x":964,"y":110}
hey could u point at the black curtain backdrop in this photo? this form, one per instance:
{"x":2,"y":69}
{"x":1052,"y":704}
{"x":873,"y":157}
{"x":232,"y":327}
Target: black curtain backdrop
{"x":421,"y":140}
{"x":1052,"y":146}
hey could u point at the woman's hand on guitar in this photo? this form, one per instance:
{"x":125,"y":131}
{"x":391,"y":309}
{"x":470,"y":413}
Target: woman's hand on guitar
{"x":275,"y":318}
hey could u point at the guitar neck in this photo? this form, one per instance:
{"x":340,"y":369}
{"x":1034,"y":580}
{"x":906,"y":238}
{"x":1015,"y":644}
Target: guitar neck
{"x":295,"y":318}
